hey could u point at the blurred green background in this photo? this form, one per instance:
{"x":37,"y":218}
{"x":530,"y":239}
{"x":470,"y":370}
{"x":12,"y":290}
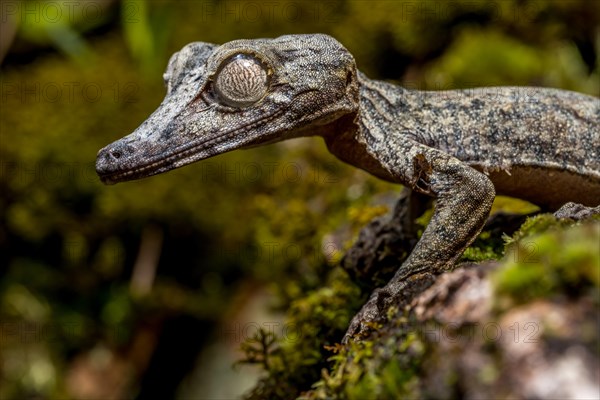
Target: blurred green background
{"x":147,"y":289}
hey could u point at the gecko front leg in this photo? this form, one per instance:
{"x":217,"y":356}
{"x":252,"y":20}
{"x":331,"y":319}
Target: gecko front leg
{"x":464,"y":198}
{"x":385,"y":241}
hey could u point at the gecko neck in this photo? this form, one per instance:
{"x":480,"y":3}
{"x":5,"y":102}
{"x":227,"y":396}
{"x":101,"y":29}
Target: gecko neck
{"x":382,"y":107}
{"x":355,"y":138}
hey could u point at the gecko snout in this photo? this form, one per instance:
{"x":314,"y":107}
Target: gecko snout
{"x":113,"y":159}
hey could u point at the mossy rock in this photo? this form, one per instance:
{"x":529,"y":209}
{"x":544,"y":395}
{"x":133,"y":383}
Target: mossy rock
{"x":461,"y":337}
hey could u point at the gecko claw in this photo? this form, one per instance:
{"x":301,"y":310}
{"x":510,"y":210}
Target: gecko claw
{"x":374,"y":313}
{"x":369,"y":318}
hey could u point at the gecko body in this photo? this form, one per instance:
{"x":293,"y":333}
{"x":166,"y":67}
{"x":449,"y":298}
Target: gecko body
{"x":460,"y":147}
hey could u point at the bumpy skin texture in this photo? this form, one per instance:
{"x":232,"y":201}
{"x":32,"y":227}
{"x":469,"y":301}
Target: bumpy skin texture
{"x":459,"y":147}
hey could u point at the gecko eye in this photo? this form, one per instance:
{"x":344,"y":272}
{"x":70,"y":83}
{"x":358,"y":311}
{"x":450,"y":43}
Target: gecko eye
{"x":241,"y":81}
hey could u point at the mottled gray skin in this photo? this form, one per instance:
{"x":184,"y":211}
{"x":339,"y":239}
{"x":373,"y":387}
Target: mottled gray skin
{"x":460,"y":147}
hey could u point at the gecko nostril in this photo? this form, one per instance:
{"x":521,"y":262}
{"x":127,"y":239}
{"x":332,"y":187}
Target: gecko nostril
{"x":116,"y":154}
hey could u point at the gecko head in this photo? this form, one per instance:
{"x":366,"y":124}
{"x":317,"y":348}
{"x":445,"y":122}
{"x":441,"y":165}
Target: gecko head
{"x":241,"y":94}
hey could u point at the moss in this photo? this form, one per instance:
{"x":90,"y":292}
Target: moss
{"x":485,"y":247}
{"x":549,"y":257}
{"x":316,"y":366}
{"x":317,"y":321}
{"x":386,"y":365}
{"x":490,"y":244}
{"x":545,"y":257}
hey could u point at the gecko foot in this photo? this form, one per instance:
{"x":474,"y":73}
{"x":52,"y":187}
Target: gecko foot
{"x":576,"y":211}
{"x":370,"y":314}
{"x":375,"y":310}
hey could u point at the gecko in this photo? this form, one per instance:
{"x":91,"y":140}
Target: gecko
{"x":459,"y":147}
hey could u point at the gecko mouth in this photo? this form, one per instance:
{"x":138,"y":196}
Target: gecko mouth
{"x":119,"y":161}
{"x":178,"y":158}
